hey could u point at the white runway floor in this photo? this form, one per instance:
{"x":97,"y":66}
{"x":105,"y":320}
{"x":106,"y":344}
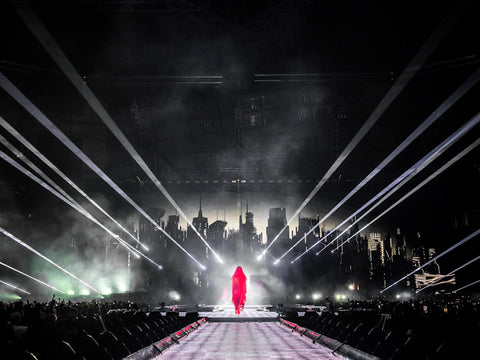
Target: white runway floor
{"x":246,"y":341}
{"x":248,"y":312}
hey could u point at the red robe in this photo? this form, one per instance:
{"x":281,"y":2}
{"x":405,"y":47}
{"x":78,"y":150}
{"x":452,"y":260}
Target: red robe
{"x":239,"y":289}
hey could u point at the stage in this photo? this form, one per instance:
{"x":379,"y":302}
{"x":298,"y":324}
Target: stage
{"x":246,"y":340}
{"x":256,"y":333}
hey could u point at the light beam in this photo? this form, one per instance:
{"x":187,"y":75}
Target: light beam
{"x":68,"y":200}
{"x":450,"y":273}
{"x":31,"y":277}
{"x":450,"y":101}
{"x":452,"y":15}
{"x":54,"y":50}
{"x":47,"y":162}
{"x":404,"y":178}
{"x":28,"y":247}
{"x":466,"y":286}
{"x":418,"y":187}
{"x":11,"y":89}
{"x":15,"y":287}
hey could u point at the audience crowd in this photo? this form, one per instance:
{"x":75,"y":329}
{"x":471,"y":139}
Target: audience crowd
{"x":83,"y":330}
{"x":435,"y":328}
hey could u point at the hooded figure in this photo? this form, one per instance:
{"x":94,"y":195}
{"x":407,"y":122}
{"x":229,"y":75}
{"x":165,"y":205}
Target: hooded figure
{"x":239,"y":289}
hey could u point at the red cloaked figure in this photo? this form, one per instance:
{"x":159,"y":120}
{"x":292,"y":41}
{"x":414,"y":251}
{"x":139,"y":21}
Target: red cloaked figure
{"x":239,"y":289}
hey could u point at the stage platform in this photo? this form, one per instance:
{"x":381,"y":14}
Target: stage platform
{"x":249,"y":314}
{"x":246,"y":341}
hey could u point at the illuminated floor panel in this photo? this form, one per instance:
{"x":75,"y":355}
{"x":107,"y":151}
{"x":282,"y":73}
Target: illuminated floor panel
{"x":248,"y":313}
{"x":228,"y":341}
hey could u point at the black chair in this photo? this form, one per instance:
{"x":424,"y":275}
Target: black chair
{"x":357,"y":334}
{"x":169,"y":325}
{"x":131,"y":341}
{"x":385,"y":347}
{"x":370,"y":341}
{"x":335,"y":330}
{"x":163,"y":327}
{"x":137,"y":331}
{"x":115,"y":347}
{"x":65,"y":351}
{"x":174,"y":321}
{"x":320,"y":323}
{"x":345,"y":332}
{"x":85,"y":345}
{"x":29,"y":356}
{"x":191,"y":317}
{"x":311,"y":318}
{"x":150,"y":331}
{"x":154,"y":325}
{"x":325,"y":328}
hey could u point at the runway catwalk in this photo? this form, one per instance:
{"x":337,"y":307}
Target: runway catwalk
{"x":248,"y":314}
{"x":253,"y":340}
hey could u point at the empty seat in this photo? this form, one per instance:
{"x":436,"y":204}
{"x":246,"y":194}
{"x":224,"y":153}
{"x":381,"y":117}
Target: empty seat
{"x":137,"y":331}
{"x":371,"y":340}
{"x":115,"y":347}
{"x":131,"y":341}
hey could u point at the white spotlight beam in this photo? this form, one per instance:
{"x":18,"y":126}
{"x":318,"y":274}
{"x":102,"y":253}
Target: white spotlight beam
{"x":35,"y":168}
{"x":52,"y":166}
{"x":415,"y":64}
{"x":25,"y":245}
{"x":31,"y":277}
{"x":461,"y":242}
{"x":11,"y":89}
{"x":15,"y":287}
{"x":450,"y":273}
{"x":404,"y":178}
{"x":449,"y":102}
{"x":416,"y":188}
{"x":54,"y":50}
{"x":60,"y":193}
{"x":77,"y":207}
{"x":466,"y":286}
